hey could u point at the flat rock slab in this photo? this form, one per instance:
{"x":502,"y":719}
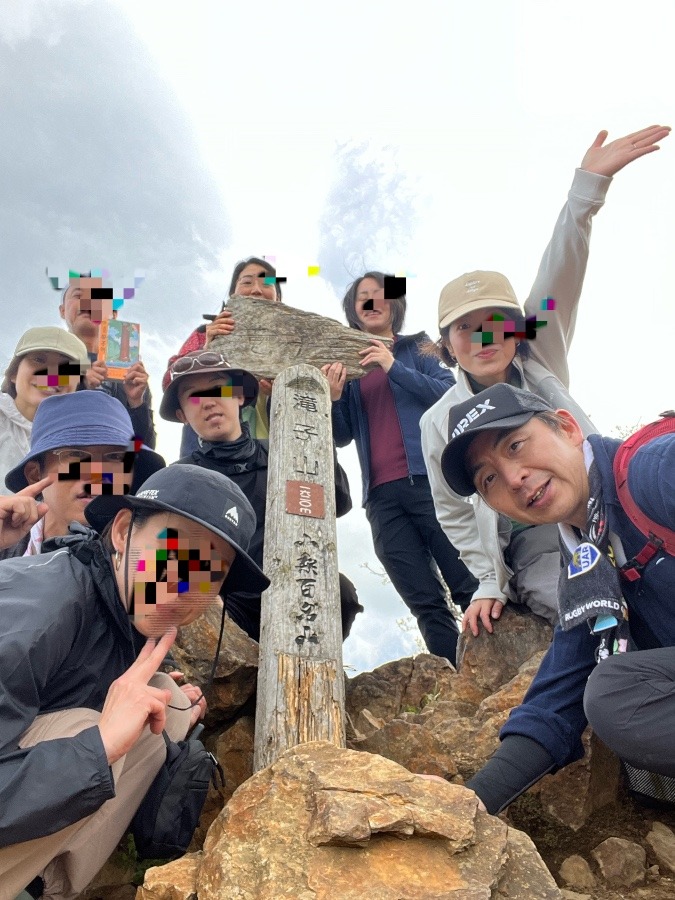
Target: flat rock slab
{"x":324,"y":823}
{"x":269,"y":337}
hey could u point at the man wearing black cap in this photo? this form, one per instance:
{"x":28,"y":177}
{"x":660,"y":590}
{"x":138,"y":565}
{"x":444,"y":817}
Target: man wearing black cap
{"x":81,"y":445}
{"x":82,"y":706}
{"x":532,"y":463}
{"x":208,"y":394}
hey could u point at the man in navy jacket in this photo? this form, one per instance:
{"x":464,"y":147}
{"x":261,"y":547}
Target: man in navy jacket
{"x":531,"y":463}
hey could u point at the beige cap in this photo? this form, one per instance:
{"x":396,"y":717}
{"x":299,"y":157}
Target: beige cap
{"x":475,"y":290}
{"x":56,"y":339}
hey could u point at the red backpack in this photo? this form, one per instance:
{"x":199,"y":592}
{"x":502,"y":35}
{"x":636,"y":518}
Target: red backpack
{"x":660,"y":537}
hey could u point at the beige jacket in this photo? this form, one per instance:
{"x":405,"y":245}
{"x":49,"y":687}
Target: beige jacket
{"x":15,"y":432}
{"x":478,"y":532}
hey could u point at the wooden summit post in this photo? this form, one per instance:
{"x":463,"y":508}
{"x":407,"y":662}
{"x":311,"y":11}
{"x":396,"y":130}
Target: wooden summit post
{"x":300,"y":676}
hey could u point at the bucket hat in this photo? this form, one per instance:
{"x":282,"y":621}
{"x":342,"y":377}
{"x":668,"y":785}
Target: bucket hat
{"x":201,"y":362}
{"x":84,"y":419}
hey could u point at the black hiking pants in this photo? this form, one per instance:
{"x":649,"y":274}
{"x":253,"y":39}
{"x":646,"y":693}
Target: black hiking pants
{"x":408,"y":541}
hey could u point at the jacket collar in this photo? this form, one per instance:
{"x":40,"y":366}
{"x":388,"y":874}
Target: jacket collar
{"x":84,"y":544}
{"x":10,"y":410}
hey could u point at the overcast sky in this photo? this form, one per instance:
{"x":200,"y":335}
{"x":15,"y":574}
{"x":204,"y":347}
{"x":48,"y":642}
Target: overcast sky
{"x":432,"y":138}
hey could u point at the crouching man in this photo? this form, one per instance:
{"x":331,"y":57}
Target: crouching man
{"x":532,"y":463}
{"x":82,"y":706}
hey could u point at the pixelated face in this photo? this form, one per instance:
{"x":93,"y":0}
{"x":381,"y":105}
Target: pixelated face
{"x":87,"y":303}
{"x":103,"y":471}
{"x":177,"y":568}
{"x":372,"y":310}
{"x":210,"y":403}
{"x":80,"y":473}
{"x":44,"y":373}
{"x":532,"y":474}
{"x":251,"y":283}
{"x":488,"y":363}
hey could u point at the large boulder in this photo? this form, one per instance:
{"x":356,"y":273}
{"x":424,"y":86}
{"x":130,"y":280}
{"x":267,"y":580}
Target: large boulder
{"x":490,"y":660}
{"x":662,"y":841}
{"x":324,"y":823}
{"x":410,"y":745}
{"x":573,"y":794}
{"x":406,"y":685}
{"x":237,"y":670}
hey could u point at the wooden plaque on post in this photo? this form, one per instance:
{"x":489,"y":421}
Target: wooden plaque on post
{"x":300,"y":675}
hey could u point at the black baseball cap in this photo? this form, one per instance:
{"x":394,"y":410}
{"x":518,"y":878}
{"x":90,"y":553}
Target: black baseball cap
{"x":501,"y":406}
{"x":206,"y":497}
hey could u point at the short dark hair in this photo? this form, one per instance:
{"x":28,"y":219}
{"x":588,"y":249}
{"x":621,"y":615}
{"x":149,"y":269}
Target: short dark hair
{"x":253,"y":261}
{"x":398,"y":306}
{"x":552,"y":419}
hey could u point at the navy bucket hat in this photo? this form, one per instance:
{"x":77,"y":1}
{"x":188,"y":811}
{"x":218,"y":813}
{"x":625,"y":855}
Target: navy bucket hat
{"x":84,"y":419}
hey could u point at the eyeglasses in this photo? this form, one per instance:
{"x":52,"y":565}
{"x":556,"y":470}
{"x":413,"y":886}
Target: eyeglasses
{"x":206,"y":360}
{"x":71,"y":455}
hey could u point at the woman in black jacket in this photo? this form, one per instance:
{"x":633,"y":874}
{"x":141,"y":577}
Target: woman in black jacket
{"x":81,"y":706}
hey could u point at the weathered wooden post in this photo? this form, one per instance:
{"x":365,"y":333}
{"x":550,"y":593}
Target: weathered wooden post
{"x":300,"y":676}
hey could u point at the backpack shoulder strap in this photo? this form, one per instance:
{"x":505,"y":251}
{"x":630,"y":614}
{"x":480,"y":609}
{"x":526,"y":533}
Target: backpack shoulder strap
{"x":659,"y":537}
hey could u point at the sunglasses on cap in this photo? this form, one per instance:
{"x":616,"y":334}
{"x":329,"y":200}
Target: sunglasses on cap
{"x":207,"y":360}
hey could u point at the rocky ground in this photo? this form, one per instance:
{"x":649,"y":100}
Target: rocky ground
{"x":346,"y":824}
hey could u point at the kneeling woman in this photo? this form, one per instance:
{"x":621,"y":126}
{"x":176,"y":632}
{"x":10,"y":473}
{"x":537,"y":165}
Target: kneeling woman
{"x":82,"y":706}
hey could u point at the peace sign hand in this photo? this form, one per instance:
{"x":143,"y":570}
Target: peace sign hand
{"x":131,"y":703}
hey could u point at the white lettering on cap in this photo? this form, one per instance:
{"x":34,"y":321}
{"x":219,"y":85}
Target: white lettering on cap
{"x":148,"y":495}
{"x":471,"y":416}
{"x":471,"y":286}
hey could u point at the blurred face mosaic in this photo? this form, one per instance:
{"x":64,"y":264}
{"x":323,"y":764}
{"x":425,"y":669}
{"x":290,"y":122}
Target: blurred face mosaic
{"x":88,"y":299}
{"x":371,"y":307}
{"x":44,"y":373}
{"x":210,"y":403}
{"x":100,"y":470}
{"x":177,"y":572}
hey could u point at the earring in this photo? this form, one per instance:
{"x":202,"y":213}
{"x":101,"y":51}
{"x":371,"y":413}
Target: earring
{"x":118,"y":560}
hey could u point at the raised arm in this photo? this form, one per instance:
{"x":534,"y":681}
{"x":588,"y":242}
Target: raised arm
{"x":563,"y":265}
